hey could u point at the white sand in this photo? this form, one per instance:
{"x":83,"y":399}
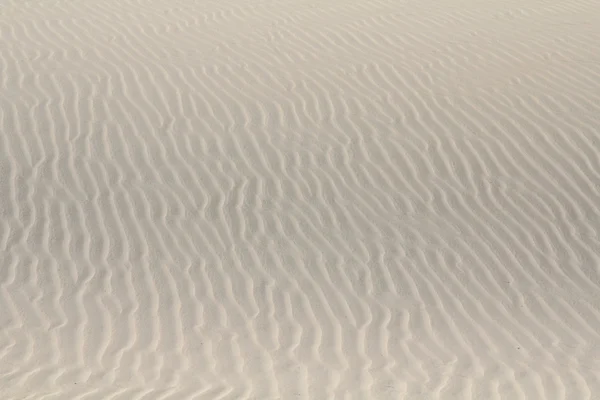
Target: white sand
{"x":250,"y":199}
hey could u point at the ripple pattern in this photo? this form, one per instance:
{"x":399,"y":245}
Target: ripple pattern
{"x":299,"y":200}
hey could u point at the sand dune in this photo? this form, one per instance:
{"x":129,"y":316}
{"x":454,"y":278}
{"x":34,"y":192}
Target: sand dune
{"x":299,"y":199}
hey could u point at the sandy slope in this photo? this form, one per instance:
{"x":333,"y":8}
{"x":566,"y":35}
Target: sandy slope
{"x":299,"y":199}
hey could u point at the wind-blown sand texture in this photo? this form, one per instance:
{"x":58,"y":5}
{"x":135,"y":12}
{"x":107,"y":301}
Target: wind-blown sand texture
{"x":299,"y":199}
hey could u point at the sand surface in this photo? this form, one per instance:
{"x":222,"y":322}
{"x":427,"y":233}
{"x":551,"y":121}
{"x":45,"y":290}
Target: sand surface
{"x":260,"y":199}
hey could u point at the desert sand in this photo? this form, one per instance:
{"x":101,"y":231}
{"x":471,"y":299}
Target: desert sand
{"x":260,"y":200}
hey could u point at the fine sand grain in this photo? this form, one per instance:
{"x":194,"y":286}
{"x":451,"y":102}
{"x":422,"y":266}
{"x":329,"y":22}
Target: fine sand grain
{"x":292,"y":199}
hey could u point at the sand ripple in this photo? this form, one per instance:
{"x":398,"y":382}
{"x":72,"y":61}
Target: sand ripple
{"x":313,"y":200}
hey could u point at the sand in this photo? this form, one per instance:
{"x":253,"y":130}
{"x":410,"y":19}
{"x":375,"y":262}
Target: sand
{"x":299,"y":199}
